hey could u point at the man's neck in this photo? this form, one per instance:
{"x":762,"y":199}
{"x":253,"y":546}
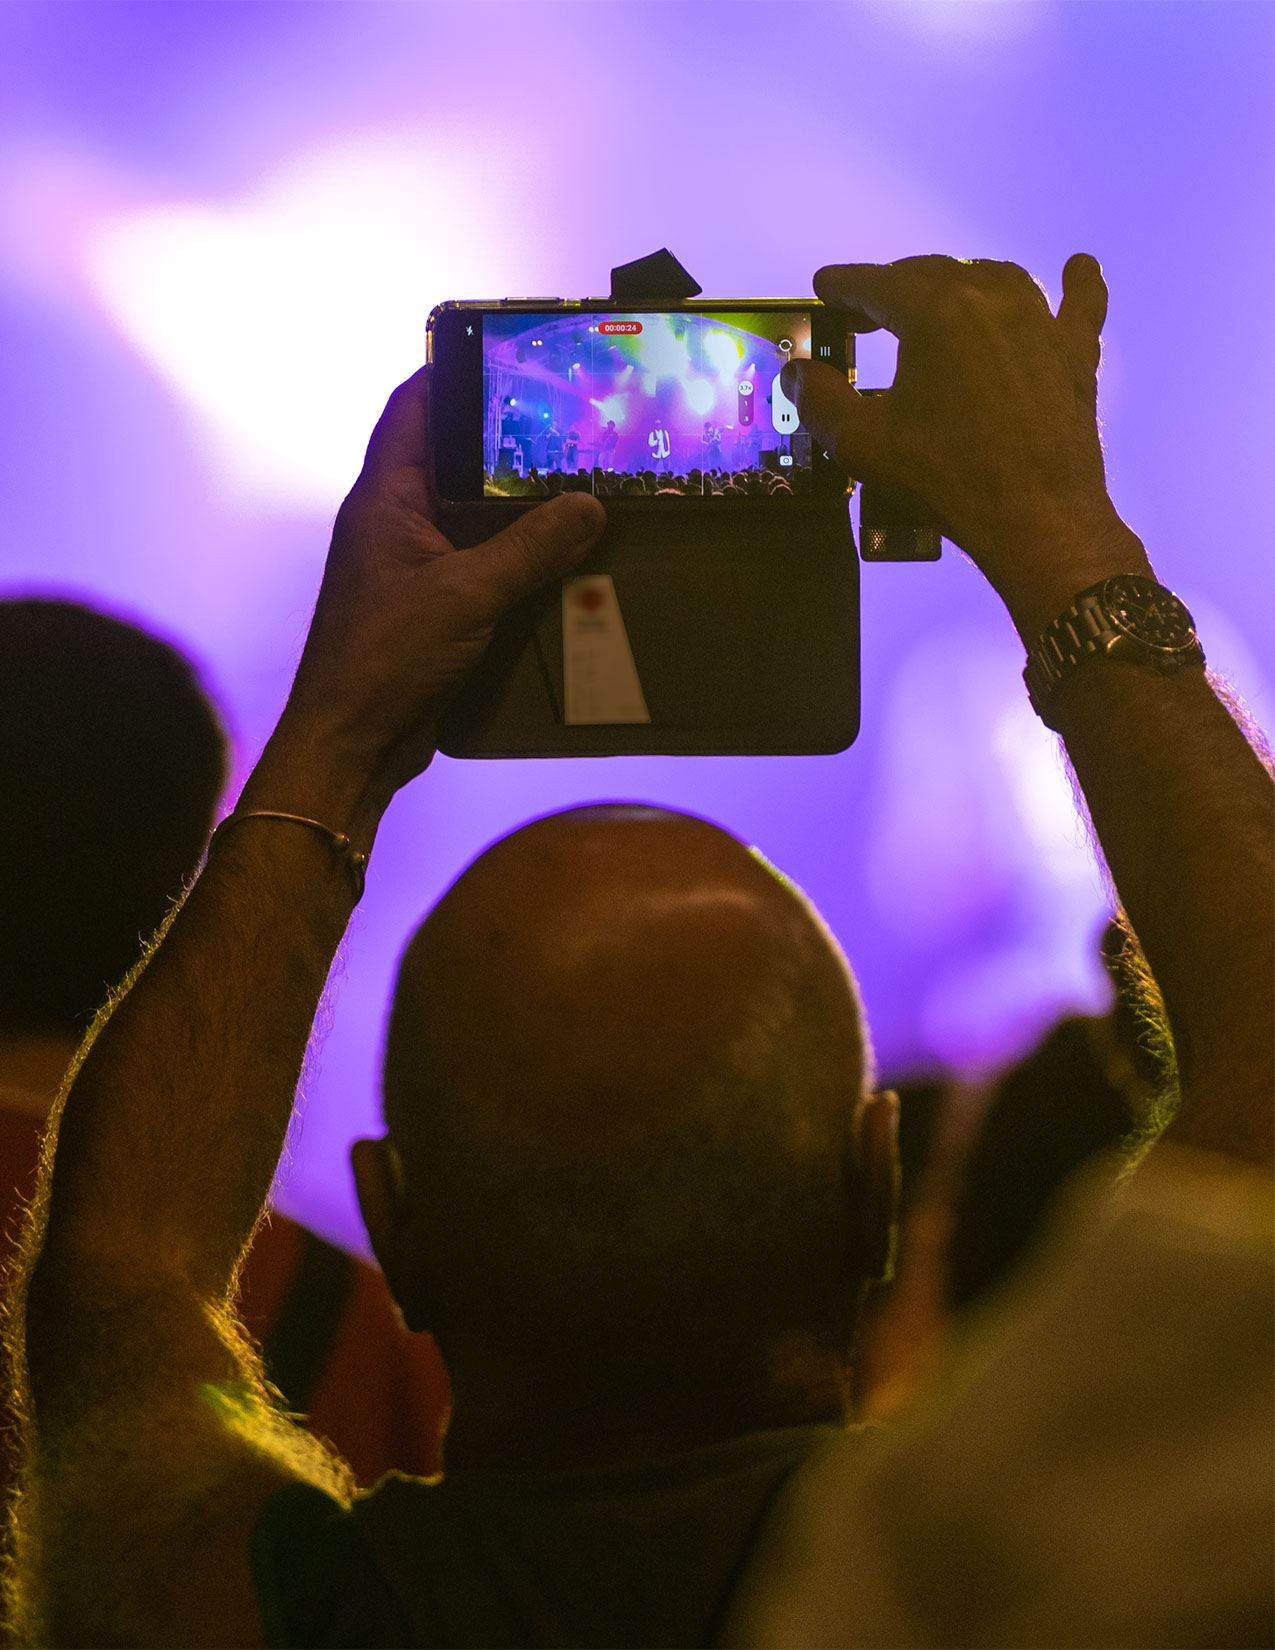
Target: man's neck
{"x":572,"y":1437}
{"x":32,"y":1067}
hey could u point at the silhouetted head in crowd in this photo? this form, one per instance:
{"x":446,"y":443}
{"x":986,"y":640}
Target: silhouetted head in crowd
{"x":112,"y":760}
{"x":982,"y":1169}
{"x":1075,"y":1096}
{"x":643,"y":1181}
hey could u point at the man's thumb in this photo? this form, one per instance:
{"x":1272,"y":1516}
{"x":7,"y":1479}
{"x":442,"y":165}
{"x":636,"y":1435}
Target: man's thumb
{"x":541,"y":545}
{"x":837,"y":416}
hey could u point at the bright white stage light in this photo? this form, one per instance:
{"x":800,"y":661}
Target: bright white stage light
{"x":974,"y":21}
{"x":284,"y":319}
{"x":663,"y":354}
{"x":724,"y":351}
{"x":612,"y":408}
{"x":1027,"y":756}
{"x":974,"y":824}
{"x":701,"y":397}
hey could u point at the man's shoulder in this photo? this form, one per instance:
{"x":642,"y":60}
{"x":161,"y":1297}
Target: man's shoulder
{"x":1104,"y":1448}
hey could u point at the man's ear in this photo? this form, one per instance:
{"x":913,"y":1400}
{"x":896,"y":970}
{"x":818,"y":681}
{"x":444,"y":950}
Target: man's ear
{"x":877,"y":1180}
{"x":382,"y":1192}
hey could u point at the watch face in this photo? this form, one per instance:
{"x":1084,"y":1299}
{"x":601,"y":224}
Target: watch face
{"x":1144,"y":609}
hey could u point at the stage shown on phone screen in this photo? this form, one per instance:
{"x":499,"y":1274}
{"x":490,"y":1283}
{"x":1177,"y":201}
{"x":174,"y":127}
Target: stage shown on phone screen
{"x":646,"y":404}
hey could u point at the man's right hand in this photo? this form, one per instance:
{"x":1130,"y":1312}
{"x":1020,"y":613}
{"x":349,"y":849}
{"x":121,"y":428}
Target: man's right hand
{"x":991,"y":419}
{"x":401,"y":619}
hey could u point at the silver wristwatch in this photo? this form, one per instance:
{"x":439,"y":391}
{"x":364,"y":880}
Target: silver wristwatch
{"x":1125,"y":617}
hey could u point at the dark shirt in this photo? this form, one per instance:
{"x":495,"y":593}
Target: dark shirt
{"x":632,"y":1556}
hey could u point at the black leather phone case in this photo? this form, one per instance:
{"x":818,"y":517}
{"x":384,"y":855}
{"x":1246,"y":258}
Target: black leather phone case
{"x":743,"y":621}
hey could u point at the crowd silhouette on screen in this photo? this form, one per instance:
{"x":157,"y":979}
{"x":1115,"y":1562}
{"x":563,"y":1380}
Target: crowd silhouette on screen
{"x":755,"y":483}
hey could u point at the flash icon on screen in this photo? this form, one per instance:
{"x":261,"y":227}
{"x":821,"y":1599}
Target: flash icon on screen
{"x":469,"y":332}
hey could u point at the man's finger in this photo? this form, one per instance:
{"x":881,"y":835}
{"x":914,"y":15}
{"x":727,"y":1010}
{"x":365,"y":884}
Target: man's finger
{"x":401,"y":437}
{"x":1080,"y":317}
{"x":842,"y":421}
{"x":1084,"y":292}
{"x":879,"y":295}
{"x":1083,"y":310}
{"x":542,"y":545}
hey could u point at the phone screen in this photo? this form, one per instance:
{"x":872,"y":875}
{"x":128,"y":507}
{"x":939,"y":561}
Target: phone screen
{"x":631,"y":404}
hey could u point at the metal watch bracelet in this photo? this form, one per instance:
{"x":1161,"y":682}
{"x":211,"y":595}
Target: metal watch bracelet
{"x":1086,"y":629}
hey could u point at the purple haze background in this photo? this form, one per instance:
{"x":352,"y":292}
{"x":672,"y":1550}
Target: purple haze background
{"x":222,"y":227}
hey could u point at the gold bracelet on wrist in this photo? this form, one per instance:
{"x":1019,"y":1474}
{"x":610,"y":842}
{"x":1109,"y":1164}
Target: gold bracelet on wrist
{"x":355,"y":862}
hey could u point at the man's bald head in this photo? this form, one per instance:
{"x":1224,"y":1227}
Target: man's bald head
{"x":622,"y":1070}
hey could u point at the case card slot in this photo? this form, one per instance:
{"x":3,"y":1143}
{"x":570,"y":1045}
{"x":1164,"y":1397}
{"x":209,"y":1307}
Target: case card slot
{"x":600,"y":679}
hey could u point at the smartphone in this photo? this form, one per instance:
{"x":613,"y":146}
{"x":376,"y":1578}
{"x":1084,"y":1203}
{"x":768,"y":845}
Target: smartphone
{"x":663,"y":407}
{"x":718,"y":613}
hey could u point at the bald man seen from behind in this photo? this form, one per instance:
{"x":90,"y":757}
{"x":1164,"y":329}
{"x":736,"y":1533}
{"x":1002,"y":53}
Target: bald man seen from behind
{"x":638,"y":1209}
{"x":679,"y":1043}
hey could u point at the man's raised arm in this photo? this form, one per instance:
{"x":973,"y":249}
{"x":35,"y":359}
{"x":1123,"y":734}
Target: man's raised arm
{"x":151,"y":1441}
{"x":991,"y":421}
{"x":1098,"y":1469}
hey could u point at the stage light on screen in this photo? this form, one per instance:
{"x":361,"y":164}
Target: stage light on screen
{"x":724,"y":352}
{"x":664,"y":355}
{"x":283,"y":318}
{"x":701,"y":397}
{"x":612,"y":408}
